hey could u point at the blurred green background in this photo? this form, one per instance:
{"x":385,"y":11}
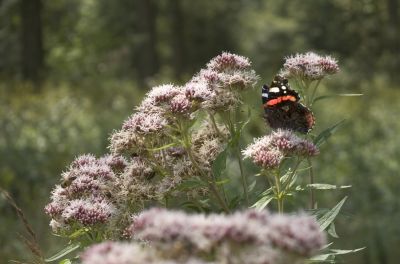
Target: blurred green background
{"x":72,"y":70}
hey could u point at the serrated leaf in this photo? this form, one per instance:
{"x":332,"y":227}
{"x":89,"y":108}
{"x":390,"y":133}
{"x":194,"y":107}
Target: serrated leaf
{"x":65,"y":251}
{"x":328,"y":217}
{"x":327,"y":133}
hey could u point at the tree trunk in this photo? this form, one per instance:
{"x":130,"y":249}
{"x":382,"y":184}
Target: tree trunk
{"x":31,"y":40}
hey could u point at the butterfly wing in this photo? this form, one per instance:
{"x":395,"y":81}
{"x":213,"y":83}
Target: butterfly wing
{"x":290,"y":115}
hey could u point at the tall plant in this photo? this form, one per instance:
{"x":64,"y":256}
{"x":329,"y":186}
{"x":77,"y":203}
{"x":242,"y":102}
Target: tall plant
{"x":171,"y":153}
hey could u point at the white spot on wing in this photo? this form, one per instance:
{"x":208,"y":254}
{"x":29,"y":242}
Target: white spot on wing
{"x":274,"y":90}
{"x":264,"y":95}
{"x":283,"y":87}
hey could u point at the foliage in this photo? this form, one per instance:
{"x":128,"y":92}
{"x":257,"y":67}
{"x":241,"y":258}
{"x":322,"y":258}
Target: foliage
{"x":91,"y":49}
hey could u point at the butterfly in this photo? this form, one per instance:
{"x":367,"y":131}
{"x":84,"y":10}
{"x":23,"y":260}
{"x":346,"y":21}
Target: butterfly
{"x":283,"y":109}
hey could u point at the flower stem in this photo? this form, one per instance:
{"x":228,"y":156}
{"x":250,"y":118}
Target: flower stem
{"x":236,"y":150}
{"x":279,"y":194}
{"x":244,"y":180}
{"x":311,"y":174}
{"x":313,"y":93}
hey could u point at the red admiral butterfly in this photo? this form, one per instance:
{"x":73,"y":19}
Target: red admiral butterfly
{"x":283,"y":109}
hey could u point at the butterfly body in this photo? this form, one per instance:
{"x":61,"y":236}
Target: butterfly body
{"x":283,"y":109}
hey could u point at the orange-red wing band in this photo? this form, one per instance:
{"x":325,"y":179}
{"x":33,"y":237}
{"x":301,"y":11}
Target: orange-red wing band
{"x":280,"y":99}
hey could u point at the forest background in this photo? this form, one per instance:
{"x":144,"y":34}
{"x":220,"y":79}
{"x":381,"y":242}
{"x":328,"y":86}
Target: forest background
{"x":72,"y":70}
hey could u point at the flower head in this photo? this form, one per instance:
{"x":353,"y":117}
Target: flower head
{"x":85,"y":193}
{"x":145,"y":123}
{"x":269,"y":151}
{"x":229,"y":61}
{"x":309,"y":66}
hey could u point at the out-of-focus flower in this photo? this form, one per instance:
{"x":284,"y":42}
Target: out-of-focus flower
{"x":269,"y":151}
{"x":310,"y":66}
{"x":279,"y":236}
{"x":129,"y":253}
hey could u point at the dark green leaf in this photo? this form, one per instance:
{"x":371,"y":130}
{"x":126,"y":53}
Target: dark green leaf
{"x":192,"y":183}
{"x":219,"y":164}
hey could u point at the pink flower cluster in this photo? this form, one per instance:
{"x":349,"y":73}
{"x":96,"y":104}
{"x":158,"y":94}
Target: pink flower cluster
{"x":310,"y":66}
{"x":269,"y":151}
{"x":216,"y":88}
{"x":84,"y":195}
{"x":257,"y":235}
{"x":128,"y":253}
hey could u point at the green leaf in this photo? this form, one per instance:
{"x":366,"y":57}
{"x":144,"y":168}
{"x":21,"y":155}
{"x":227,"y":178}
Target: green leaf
{"x":78,"y":233}
{"x":332,"y":231}
{"x":327,"y":133}
{"x":234,"y":202}
{"x":192,"y":183}
{"x":65,"y":261}
{"x":219,"y":164}
{"x":322,"y":97}
{"x":263,"y":202}
{"x":323,"y":258}
{"x":346,"y":251}
{"x":324,"y":186}
{"x":328,"y":217}
{"x":251,"y":186}
{"x":222,"y":181}
{"x":164,"y":147}
{"x":65,"y":251}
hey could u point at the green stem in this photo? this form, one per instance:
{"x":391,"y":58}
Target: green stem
{"x":279,"y":196}
{"x":244,"y":180}
{"x":311,"y":174}
{"x":313,"y":93}
{"x":233,"y":132}
{"x":214,"y":124}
